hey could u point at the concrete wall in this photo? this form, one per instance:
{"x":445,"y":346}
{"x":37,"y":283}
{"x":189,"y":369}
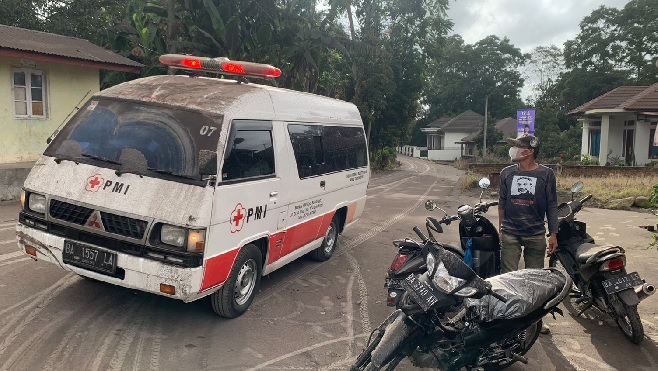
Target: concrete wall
{"x":411,"y":151}
{"x":12,"y":178}
{"x":448,"y":154}
{"x":575,"y":170}
{"x":25,"y":139}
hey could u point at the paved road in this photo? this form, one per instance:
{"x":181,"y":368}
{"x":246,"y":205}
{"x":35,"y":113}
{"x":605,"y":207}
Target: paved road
{"x":307,"y":316}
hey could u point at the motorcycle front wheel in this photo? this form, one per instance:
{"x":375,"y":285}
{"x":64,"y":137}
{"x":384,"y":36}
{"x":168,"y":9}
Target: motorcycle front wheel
{"x":630,"y":323}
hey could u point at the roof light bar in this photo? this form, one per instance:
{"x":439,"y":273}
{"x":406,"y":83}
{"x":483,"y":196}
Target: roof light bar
{"x":221,"y":65}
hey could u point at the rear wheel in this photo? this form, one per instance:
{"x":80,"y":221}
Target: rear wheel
{"x":630,"y":323}
{"x":329,"y":243}
{"x":239,"y":290}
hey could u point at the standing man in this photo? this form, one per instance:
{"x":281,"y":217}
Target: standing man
{"x":527,"y":195}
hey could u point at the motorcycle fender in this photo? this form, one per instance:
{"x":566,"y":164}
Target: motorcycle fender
{"x":394,"y":335}
{"x":629,"y":297}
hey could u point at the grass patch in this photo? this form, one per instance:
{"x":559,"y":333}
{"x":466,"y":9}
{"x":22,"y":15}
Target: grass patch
{"x":612,"y":187}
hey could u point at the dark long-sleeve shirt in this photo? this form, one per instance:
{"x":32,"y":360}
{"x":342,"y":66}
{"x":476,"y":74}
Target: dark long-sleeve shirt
{"x":526,"y":197}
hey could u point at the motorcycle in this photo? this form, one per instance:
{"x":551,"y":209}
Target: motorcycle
{"x":451,"y":318}
{"x":480,"y":245}
{"x":598,"y":271}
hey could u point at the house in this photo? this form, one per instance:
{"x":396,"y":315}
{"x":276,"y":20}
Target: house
{"x":449,"y":138}
{"x":43,"y":78}
{"x":507,"y":126}
{"x":619,"y":126}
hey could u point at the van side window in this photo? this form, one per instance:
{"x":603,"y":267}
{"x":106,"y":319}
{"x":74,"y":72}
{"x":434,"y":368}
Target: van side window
{"x":327,"y":149}
{"x":249,"y":151}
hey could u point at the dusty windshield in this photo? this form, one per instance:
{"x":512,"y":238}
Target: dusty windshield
{"x":136,"y":137}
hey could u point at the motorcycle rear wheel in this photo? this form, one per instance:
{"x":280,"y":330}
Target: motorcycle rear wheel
{"x":630,"y":324}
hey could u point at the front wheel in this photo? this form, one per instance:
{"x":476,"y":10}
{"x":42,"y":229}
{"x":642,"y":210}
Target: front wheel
{"x":630,"y":323}
{"x":239,"y":290}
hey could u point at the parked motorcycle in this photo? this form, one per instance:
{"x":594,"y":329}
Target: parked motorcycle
{"x":599,"y":271}
{"x":480,"y":245}
{"x":451,"y":318}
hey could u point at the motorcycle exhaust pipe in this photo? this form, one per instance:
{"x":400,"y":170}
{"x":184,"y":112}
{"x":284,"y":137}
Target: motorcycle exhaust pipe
{"x":645,"y":291}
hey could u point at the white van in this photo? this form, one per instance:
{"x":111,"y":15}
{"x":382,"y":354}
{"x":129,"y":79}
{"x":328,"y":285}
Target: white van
{"x":191,"y":186}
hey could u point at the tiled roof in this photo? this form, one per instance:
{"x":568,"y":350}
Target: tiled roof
{"x":471,"y":137}
{"x":467,"y":121}
{"x":507,"y":126}
{"x":57,"y":45}
{"x":438,"y":123}
{"x":630,"y":98}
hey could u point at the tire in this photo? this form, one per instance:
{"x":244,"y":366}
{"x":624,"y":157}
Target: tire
{"x":631,"y":324}
{"x":239,"y":290}
{"x":329,"y":243}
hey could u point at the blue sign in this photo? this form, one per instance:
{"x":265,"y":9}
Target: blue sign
{"x":525,"y":121}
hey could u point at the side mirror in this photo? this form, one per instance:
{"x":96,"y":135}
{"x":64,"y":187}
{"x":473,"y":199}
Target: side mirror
{"x":577,"y":187}
{"x":431,"y":205}
{"x":434,"y":224}
{"x":207,"y":162}
{"x":484,"y":183}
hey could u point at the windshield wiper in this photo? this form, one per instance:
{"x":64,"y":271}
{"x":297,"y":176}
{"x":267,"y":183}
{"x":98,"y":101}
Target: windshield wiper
{"x":101,"y":158}
{"x":171,"y":173}
{"x":59,"y":159}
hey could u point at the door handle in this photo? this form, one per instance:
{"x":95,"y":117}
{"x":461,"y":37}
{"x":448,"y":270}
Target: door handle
{"x":323,"y":183}
{"x":274,"y":194}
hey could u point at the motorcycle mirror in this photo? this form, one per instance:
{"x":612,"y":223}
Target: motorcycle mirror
{"x":484,"y":183}
{"x":431,"y":205}
{"x":434,"y":224}
{"x":577,"y":187}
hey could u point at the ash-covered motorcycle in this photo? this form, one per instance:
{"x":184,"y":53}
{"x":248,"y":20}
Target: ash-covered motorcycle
{"x":451,"y":318}
{"x":480,"y":245}
{"x":599,"y":271}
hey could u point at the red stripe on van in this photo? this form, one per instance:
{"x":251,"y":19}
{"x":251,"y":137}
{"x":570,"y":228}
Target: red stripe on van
{"x":217,"y":269}
{"x":351,"y":210}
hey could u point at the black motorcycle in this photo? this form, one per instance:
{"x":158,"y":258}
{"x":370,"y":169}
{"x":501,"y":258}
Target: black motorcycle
{"x":480,"y":245}
{"x":599,"y":271}
{"x":451,"y":318}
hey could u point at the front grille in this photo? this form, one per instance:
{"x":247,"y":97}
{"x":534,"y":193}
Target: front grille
{"x":69,"y":212}
{"x":123,"y":225}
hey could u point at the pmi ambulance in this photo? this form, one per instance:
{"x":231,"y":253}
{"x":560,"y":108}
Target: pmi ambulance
{"x":189,"y":186}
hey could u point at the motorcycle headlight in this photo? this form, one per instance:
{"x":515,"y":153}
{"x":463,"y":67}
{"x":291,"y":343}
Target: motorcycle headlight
{"x":37,"y":203}
{"x":444,"y":281}
{"x":430,"y":262}
{"x":174,"y":236}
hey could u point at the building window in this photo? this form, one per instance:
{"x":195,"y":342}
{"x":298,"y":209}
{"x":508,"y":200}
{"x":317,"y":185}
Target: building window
{"x":653,"y":149}
{"x":29,"y":90}
{"x":594,"y":142}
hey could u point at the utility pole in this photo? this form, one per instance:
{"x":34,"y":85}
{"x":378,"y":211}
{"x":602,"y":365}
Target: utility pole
{"x":486,"y":114}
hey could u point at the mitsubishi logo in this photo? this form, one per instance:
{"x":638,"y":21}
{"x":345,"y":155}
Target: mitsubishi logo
{"x":95,"y":221}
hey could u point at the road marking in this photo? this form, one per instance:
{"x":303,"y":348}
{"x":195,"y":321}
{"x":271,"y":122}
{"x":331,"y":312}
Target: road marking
{"x":12,"y":255}
{"x":7,"y":241}
{"x":14,"y":261}
{"x":10,"y":224}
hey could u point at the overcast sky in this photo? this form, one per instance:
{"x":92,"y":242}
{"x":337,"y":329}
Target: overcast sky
{"x":527,"y":23}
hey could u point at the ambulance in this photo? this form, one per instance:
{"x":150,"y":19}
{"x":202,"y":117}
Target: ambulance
{"x":192,"y":185}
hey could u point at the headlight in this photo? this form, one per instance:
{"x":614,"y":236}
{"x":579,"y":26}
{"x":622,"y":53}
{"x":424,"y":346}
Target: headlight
{"x":174,"y":236}
{"x":194,"y":240}
{"x":430,"y":262}
{"x":444,"y":281}
{"x":37,"y":203}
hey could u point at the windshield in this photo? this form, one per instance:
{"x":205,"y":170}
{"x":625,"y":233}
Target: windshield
{"x":137,"y":137}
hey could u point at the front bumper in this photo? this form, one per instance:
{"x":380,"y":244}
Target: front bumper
{"x":136,"y":272}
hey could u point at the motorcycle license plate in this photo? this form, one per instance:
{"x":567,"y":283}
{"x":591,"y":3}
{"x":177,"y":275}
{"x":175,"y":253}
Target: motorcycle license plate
{"x":617,"y":284}
{"x":419,"y":292}
{"x":393,"y":283}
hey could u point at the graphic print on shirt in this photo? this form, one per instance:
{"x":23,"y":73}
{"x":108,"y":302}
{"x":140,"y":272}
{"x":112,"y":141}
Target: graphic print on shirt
{"x":523,"y":190}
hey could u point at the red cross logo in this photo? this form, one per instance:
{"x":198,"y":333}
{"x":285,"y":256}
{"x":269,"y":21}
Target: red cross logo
{"x":95,"y":220}
{"x":237,"y":218}
{"x":94,"y":183}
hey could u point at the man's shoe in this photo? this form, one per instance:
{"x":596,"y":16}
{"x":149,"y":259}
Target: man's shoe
{"x":544,"y":329}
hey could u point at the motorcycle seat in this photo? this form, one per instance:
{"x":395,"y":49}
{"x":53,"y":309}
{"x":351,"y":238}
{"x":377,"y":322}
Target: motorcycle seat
{"x":590,"y":250}
{"x":453,"y":248}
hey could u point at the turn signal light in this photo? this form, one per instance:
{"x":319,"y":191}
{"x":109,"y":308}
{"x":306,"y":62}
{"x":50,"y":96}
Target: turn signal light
{"x":31,"y":251}
{"x":398,"y":261}
{"x":167,"y":289}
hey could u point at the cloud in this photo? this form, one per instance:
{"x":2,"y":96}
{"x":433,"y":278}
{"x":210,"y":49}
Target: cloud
{"x":527,"y":23}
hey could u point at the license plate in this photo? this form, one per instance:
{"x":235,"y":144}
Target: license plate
{"x":89,"y":257}
{"x":420,"y":292}
{"x":393,"y":283}
{"x":617,"y":284}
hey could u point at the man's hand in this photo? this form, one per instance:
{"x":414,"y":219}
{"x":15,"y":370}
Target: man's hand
{"x":552,"y":244}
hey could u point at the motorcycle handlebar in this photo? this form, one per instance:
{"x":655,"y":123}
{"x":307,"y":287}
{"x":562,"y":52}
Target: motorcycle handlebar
{"x":498,"y":296}
{"x":420,"y":234}
{"x":586,"y":198}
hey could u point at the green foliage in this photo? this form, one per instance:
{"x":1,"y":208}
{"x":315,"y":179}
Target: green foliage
{"x":384,"y":159}
{"x":654,"y":196}
{"x":588,"y":160}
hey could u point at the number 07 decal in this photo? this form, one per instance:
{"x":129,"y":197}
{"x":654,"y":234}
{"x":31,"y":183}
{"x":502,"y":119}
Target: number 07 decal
{"x":207,"y":130}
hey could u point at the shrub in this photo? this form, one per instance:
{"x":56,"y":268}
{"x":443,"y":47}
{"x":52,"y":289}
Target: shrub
{"x":384,"y":159}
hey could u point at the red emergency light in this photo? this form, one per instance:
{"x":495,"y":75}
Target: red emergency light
{"x":221,"y":65}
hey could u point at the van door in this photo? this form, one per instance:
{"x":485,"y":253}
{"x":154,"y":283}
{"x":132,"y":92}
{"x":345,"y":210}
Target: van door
{"x":250,"y":197}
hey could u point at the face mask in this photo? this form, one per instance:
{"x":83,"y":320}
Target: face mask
{"x":515,"y":152}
